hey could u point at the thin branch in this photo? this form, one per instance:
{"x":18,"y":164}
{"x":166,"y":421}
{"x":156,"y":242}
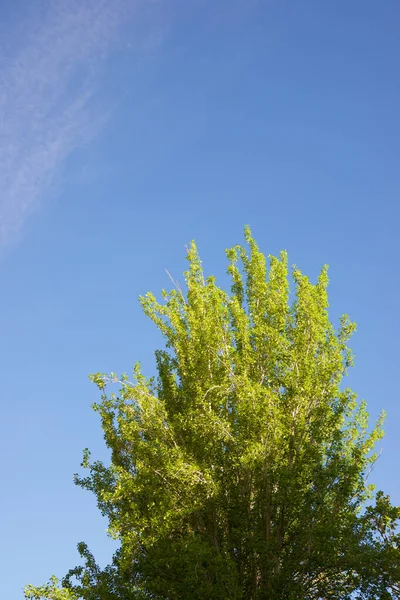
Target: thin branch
{"x":176,"y":284}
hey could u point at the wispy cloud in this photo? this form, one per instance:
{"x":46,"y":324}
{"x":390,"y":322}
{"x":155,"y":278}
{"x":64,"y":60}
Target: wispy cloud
{"x":50,"y":78}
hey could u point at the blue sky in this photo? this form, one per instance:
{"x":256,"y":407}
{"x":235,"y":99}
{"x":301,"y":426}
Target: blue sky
{"x":129,"y":128}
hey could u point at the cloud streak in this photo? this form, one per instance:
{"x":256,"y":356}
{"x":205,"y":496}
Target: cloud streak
{"x":50,"y":78}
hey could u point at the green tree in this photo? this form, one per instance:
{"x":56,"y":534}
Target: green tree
{"x":241,"y":471}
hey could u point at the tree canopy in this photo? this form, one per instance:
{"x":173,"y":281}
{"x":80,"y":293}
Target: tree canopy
{"x":241,"y":470}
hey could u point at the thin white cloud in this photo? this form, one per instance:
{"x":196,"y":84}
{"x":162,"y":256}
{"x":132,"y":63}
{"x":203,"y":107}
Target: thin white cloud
{"x":50,"y":77}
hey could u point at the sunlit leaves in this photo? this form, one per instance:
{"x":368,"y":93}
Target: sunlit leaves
{"x":241,"y":472}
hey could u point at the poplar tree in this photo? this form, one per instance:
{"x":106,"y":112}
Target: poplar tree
{"x":241,"y":470}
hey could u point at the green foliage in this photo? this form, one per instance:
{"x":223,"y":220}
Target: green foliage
{"x":50,"y":590}
{"x":241,"y":471}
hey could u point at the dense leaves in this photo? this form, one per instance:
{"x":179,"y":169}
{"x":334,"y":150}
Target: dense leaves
{"x":241,"y":471}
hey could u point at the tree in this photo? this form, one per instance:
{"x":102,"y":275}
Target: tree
{"x":241,"y":471}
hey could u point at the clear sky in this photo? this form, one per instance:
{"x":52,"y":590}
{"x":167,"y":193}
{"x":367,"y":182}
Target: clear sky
{"x":127,"y":129}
